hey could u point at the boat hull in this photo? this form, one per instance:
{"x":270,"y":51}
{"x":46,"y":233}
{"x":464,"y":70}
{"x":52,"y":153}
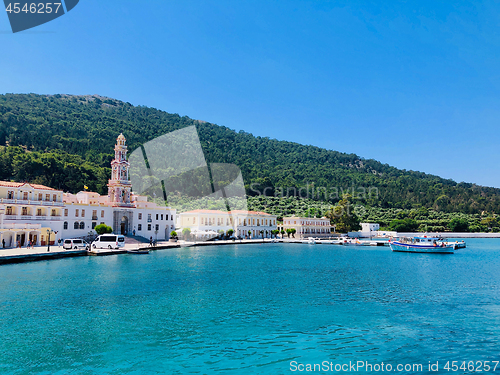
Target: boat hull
{"x":412,"y":248}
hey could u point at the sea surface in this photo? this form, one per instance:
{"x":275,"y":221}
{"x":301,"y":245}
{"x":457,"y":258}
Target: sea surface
{"x":252,"y":309}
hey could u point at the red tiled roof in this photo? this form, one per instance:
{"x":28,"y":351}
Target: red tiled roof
{"x":251,"y":212}
{"x":198,"y":211}
{"x":20,"y":184}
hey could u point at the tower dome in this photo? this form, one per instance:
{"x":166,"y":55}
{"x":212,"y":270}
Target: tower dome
{"x":121,"y":140}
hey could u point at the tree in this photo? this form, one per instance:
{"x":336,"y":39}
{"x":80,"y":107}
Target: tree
{"x":293,"y":231}
{"x":282,"y":233}
{"x":404,"y":225}
{"x":249,"y":233}
{"x":103,"y":228}
{"x":343,"y":216}
{"x":458,"y":225}
{"x":186,"y":233}
{"x":489,"y":222}
{"x":262,"y":234}
{"x":173,"y":234}
{"x":288,"y":232}
{"x":230,"y":232}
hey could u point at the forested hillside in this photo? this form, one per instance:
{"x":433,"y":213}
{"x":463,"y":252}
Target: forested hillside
{"x":67,"y":141}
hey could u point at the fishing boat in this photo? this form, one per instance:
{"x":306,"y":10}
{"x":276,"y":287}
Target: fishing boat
{"x":422,"y":245}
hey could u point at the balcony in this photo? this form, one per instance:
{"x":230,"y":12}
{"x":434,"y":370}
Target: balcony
{"x":30,"y":202}
{"x":94,"y":218}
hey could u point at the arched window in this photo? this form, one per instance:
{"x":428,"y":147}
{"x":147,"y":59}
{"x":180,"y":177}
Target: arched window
{"x":65,"y":225}
{"x":82,"y":225}
{"x":76,"y":226}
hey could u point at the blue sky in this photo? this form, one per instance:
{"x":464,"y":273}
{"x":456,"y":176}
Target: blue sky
{"x":414,"y":84}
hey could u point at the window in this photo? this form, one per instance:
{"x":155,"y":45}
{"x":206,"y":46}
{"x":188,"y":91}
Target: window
{"x":9,"y":211}
{"x":156,"y":216}
{"x":65,"y":225}
{"x":194,"y":220}
{"x":25,"y":195}
{"x":94,"y":224}
{"x":47,"y":197}
{"x":65,"y":212}
{"x":82,"y":225}
{"x":94,"y":215}
{"x":38,"y":212}
{"x":77,"y":212}
{"x":149,"y":218}
{"x":157,"y":226}
{"x":40,"y":196}
{"x":140,"y":216}
{"x":53,"y":213}
{"x":24,"y":211}
{"x":149,"y":226}
{"x":83,"y":213}
{"x":139,"y":226}
{"x":54,"y":198}
{"x":10,"y":195}
{"x":102,"y":213}
{"x":172,"y":217}
{"x":161,"y":216}
{"x":76,"y":225}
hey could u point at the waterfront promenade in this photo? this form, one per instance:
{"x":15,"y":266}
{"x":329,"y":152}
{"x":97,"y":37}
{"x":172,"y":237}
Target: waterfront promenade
{"x":20,"y":255}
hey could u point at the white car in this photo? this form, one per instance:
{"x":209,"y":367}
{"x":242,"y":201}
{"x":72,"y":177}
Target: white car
{"x":109,"y":241}
{"x":75,"y":243}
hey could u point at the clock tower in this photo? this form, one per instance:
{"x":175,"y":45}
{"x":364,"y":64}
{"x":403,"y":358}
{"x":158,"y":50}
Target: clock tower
{"x":119,"y":186}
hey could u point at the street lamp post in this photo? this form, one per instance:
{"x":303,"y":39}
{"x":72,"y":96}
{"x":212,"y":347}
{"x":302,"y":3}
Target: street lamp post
{"x":48,"y":241}
{"x":49,"y":232}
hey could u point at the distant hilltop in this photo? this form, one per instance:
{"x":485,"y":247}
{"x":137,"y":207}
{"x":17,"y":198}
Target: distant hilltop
{"x":66,"y":140}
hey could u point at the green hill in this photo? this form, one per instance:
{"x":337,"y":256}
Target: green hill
{"x":67,"y":141}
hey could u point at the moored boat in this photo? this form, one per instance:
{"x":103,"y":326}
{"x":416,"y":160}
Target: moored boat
{"x":422,"y":245}
{"x":138,"y":251}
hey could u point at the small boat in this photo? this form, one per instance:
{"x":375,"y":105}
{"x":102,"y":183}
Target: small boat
{"x":424,"y":244}
{"x":138,"y":251}
{"x":310,"y":241}
{"x":354,"y":242}
{"x":457,"y":244}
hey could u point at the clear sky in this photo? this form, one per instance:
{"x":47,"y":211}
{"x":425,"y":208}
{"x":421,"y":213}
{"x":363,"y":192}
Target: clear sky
{"x":414,"y":84}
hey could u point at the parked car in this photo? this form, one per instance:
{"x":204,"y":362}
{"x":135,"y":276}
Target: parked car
{"x":75,"y":243}
{"x":109,"y":241}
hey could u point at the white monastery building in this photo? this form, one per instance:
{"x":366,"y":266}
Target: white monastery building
{"x":31,"y":212}
{"x":307,"y":226}
{"x":207,"y":223}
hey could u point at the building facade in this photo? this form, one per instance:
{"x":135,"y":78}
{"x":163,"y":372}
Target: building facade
{"x":245,"y":224}
{"x":32,"y":212}
{"x":29,"y":212}
{"x":367,"y":230}
{"x":307,"y":226}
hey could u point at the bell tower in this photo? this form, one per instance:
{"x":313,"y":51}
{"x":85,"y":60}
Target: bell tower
{"x":119,"y":186}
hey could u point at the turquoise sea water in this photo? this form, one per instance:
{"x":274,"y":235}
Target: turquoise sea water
{"x":250,"y":309}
